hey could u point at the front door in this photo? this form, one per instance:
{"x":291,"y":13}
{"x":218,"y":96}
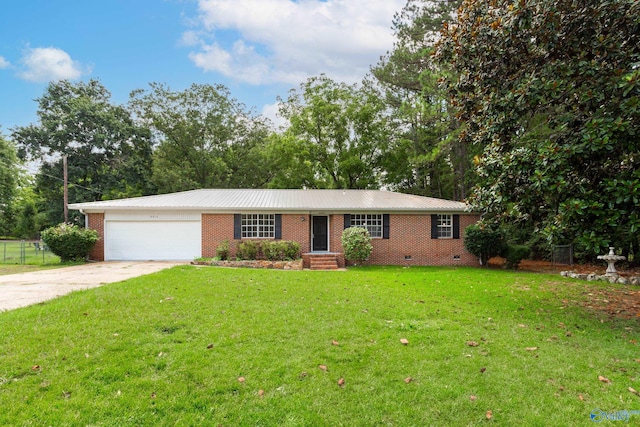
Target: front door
{"x":320,"y":234}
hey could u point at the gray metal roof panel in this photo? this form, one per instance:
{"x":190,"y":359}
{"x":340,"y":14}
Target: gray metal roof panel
{"x":282,"y":200}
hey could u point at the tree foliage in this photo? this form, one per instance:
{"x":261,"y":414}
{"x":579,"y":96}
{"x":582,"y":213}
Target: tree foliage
{"x":109,"y":156}
{"x":338,"y":136}
{"x":205,"y":138}
{"x":550,"y":90}
{"x":428,"y":158}
{"x":9,"y":180}
{"x":484,"y":242}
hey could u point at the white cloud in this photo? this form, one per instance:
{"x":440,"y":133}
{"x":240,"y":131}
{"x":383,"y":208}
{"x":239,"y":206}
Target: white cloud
{"x":284,"y":41}
{"x":271,"y":112}
{"x":45,"y":64}
{"x":4,"y":63}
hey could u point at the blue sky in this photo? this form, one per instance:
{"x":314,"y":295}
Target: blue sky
{"x":258,"y":48}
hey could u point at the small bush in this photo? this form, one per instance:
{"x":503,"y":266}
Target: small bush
{"x":356,"y":243}
{"x":516,"y":253}
{"x":483,"y":242}
{"x":223,"y":250}
{"x":248,"y":250}
{"x":281,"y":250}
{"x":70,"y":242}
{"x":292,"y":250}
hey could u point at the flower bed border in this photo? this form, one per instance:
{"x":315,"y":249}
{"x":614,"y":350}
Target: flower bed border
{"x":264,"y":264}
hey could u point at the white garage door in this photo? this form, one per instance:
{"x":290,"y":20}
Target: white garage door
{"x":155,"y":239}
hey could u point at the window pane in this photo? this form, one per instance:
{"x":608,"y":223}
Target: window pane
{"x":258,"y":225}
{"x":445,"y":226}
{"x":371,"y":222}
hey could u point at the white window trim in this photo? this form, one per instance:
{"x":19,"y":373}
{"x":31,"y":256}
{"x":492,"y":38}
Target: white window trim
{"x":445,"y":226}
{"x":373,"y":223}
{"x":258,"y":226}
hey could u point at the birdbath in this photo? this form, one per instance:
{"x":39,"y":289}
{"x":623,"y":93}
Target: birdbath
{"x":611,"y":259}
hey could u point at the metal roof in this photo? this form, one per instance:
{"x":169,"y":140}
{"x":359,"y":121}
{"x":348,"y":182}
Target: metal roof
{"x":241,"y":200}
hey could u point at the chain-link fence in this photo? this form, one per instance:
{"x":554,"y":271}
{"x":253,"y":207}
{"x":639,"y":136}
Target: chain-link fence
{"x":562,"y":254}
{"x":26,"y":252}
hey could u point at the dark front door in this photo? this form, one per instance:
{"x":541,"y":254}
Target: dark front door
{"x":320,"y":235}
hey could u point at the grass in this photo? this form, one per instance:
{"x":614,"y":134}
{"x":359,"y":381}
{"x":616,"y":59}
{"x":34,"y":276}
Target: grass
{"x":213,"y":346}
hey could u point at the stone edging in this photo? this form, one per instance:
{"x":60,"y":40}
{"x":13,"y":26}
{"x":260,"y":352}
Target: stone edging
{"x":275,"y":265}
{"x":635,"y":280}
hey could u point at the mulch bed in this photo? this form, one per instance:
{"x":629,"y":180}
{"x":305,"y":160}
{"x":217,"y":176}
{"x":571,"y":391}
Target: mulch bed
{"x":616,"y":301}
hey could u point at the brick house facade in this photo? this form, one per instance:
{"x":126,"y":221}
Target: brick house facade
{"x":430,"y":234}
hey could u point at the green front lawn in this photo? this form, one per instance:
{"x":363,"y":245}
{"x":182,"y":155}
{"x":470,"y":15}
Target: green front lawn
{"x":212,"y":346}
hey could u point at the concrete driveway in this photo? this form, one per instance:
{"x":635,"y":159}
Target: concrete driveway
{"x":22,"y":289}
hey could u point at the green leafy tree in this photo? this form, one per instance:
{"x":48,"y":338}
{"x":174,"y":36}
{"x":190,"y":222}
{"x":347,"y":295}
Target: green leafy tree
{"x":205,"y":138}
{"x":428,"y":158}
{"x":550,"y":90}
{"x":9,"y":180}
{"x":109,"y":155}
{"x":338,"y":136}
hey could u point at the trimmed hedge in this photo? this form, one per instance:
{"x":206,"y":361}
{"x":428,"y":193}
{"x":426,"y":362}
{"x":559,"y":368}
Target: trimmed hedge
{"x":276,"y":250}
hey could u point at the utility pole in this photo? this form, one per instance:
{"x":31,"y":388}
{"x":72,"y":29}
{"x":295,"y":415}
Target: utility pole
{"x":66,"y":188}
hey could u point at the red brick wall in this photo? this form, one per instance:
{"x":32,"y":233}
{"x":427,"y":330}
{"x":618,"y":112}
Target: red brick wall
{"x":96,"y":222}
{"x":219,"y":227}
{"x":410,"y":236}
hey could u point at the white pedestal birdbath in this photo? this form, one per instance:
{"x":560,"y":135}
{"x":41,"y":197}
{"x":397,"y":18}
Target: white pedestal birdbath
{"x":611,"y":259}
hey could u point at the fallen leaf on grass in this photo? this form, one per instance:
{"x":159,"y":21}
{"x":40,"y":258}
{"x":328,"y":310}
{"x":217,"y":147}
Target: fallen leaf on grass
{"x":580,"y":397}
{"x":472,"y":344}
{"x":473,"y":398}
{"x":482,"y":370}
{"x":604,"y":379}
{"x":404,"y":341}
{"x":408,"y":380}
{"x":489,"y":414}
{"x":323,"y":367}
{"x":153,"y":395}
{"x":334,"y":342}
{"x":531,"y":348}
{"x":261,"y":393}
{"x":210,"y":346}
{"x":341,"y":382}
{"x":35,"y":368}
{"x":241,"y":379}
{"x":632,"y":390}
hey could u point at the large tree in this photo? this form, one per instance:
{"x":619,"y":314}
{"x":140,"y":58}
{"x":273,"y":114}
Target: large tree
{"x":205,"y":138}
{"x":338,"y":136}
{"x":9,"y":181}
{"x":109,"y":156}
{"x":550,"y":89}
{"x":429,"y":158}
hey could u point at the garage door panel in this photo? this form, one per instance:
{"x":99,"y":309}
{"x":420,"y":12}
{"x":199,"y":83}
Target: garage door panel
{"x":153,"y":240}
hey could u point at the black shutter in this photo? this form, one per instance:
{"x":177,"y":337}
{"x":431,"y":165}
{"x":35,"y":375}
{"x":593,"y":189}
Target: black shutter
{"x":434,"y":226}
{"x":456,"y":226}
{"x":278,"y":230}
{"x":237,"y":226}
{"x":347,"y":221}
{"x":385,"y":226}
